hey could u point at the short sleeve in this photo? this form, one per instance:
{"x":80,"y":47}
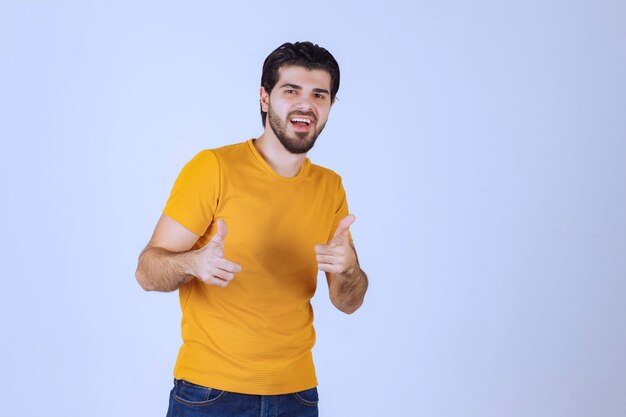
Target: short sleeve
{"x":341,"y":210}
{"x":194,"y":197}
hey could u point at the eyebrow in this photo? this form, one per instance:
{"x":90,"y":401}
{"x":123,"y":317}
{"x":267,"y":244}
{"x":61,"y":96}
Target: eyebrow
{"x":293,"y":86}
{"x":321,"y":90}
{"x":297,"y":87}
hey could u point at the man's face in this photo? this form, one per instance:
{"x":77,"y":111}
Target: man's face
{"x":298,"y":107}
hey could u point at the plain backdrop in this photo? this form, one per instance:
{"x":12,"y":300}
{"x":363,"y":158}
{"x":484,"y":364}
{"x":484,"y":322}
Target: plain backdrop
{"x":482,"y":145}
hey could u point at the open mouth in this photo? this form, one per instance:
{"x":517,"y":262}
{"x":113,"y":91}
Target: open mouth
{"x":300,"y":121}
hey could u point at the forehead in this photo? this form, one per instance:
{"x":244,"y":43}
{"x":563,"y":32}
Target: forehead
{"x":304,"y":77}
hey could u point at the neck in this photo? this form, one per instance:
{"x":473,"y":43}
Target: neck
{"x":283,"y":162}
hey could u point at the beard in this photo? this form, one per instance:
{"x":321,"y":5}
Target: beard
{"x":302,"y":142}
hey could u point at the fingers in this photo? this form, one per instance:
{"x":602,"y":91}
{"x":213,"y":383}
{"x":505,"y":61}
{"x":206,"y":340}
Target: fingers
{"x":339,"y":238}
{"x":336,"y":256}
{"x":344,"y":225}
{"x":333,"y":268}
{"x":324,"y":249}
{"x":332,"y":248}
{"x":214,"y":269}
{"x":228,"y":266}
{"x":217,"y":280}
{"x":221,"y":273}
{"x":334,"y":259}
{"x":221,"y":233}
{"x":326,"y":259}
{"x":216,"y":244}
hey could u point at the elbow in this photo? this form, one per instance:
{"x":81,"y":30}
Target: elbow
{"x":144,"y":283}
{"x":348,"y":308}
{"x":348,"y":311}
{"x":141,"y":275}
{"x":149,"y":285}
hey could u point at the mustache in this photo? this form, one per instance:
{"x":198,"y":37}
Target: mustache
{"x":302,"y":113}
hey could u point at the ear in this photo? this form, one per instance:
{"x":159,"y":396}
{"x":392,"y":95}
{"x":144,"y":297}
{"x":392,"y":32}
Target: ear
{"x":265,"y":99}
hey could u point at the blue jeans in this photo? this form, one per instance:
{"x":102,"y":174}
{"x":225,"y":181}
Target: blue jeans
{"x":191,"y":400}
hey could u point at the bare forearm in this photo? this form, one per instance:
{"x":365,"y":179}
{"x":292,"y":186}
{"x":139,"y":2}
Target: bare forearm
{"x":348,"y":291}
{"x":163,"y":270}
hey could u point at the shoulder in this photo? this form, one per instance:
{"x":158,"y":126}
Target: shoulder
{"x":204,"y":156}
{"x":203,"y":162}
{"x":324,"y":174}
{"x":323,"y":171}
{"x":229,"y":151}
{"x":211,"y":158}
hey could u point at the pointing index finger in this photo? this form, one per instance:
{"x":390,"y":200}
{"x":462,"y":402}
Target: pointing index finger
{"x":228,"y":266}
{"x":323,"y":249}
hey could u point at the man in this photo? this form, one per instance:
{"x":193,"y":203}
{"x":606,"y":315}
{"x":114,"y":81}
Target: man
{"x":242,"y":236}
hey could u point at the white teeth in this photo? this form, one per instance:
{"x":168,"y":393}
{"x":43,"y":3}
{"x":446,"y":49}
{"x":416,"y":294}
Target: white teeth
{"x":297,"y":119}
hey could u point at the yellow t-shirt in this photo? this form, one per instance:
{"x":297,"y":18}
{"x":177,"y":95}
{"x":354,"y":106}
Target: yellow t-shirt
{"x":254,"y":336}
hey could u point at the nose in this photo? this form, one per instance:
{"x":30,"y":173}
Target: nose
{"x":304,"y":104}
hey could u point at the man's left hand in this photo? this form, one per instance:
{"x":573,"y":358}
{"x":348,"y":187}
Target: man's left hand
{"x":338,"y":255}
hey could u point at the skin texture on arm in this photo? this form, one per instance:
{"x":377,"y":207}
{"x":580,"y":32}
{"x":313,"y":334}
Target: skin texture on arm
{"x":347,"y":282}
{"x":168,"y":261}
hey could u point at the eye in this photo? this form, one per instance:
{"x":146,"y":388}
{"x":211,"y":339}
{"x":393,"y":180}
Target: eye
{"x":290,"y":91}
{"x":320,"y":96}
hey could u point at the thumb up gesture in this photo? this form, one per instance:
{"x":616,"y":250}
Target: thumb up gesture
{"x":209,"y":264}
{"x":338,"y":255}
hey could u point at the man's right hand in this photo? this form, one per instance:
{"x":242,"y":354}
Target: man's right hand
{"x":209,"y":264}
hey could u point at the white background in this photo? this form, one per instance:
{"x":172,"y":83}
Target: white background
{"x":482,"y":145}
